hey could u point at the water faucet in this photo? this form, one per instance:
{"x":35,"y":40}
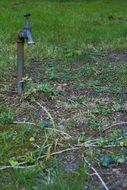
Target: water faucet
{"x":23,"y":35}
{"x":26,"y":33}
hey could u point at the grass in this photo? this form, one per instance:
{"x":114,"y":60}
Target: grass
{"x":96,"y":25}
{"x":77,"y":71}
{"x":50,"y":179}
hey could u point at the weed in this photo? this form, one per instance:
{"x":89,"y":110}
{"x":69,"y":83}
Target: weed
{"x":95,"y":123}
{"x":32,"y":90}
{"x":116,"y":107}
{"x":58,"y":179}
{"x":82,"y":100}
{"x":24,"y":178}
{"x":111,"y":139}
{"x":51,"y":73}
{"x":101,"y":109}
{"x":6,"y":116}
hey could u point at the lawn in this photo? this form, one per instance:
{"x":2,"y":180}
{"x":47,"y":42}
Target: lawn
{"x":70,"y":124}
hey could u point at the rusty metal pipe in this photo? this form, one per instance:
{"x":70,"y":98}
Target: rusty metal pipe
{"x":25,"y":34}
{"x":20,"y":63}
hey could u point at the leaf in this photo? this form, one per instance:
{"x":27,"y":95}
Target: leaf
{"x":122,"y":143}
{"x":101,"y":141}
{"x":94,"y":123}
{"x":121,"y":160}
{"x":32,"y":139}
{"x":48,"y":153}
{"x":106,"y":160}
{"x":43,"y":124}
{"x":40,"y":151}
{"x":95,"y":110}
{"x":69,"y":53}
{"x":13,"y":163}
{"x":117,"y":107}
{"x":83,"y":99}
{"x":79,"y":52}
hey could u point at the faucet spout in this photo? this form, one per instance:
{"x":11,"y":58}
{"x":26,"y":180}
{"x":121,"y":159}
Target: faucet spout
{"x":29,"y":37}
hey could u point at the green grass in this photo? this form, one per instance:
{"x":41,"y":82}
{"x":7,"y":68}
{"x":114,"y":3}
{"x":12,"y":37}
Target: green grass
{"x":61,"y":25}
{"x":52,"y":178}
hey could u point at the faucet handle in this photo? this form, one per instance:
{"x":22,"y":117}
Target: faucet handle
{"x":27,"y":15}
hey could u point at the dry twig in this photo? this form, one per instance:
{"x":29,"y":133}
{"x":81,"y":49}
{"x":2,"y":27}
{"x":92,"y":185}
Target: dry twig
{"x":22,"y":164}
{"x":52,"y":129}
{"x":97,"y":174}
{"x":114,"y":125}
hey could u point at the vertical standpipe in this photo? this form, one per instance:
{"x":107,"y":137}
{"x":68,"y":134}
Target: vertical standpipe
{"x":25,"y":34}
{"x":20,"y":64}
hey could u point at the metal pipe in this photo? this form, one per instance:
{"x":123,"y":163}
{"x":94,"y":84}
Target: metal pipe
{"x":25,"y":34}
{"x":20,"y":64}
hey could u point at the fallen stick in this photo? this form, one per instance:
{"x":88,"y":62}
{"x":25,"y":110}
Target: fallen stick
{"x":22,"y":164}
{"x":97,"y":174}
{"x":34,"y":124}
{"x":100,"y":178}
{"x":113,"y":125}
